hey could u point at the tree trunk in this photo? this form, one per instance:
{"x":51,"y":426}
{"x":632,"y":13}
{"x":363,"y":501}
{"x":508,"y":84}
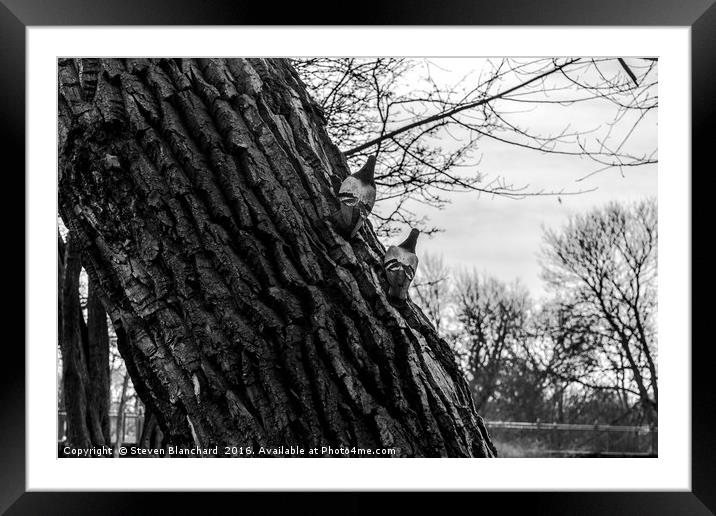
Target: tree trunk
{"x":119,"y":422}
{"x":202,"y":190}
{"x":152,"y":437}
{"x":74,"y":370}
{"x":60,"y":285}
{"x":98,"y":392}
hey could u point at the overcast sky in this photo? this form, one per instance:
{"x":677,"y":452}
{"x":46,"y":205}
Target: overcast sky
{"x":501,"y":236}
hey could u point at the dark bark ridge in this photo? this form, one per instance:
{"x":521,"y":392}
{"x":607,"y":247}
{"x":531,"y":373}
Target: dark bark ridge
{"x":202,"y":190}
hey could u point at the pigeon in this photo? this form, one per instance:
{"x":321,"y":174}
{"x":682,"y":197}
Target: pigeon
{"x":357,"y":196}
{"x":400,"y":263}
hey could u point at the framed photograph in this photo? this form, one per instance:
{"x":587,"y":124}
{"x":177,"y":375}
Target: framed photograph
{"x":458,"y":249}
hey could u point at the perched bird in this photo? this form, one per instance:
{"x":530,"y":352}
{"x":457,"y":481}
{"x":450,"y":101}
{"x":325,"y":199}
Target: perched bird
{"x":357,"y":196}
{"x":400,"y":263}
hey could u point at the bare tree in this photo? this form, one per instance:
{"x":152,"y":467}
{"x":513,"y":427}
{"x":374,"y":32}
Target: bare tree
{"x":565,"y":353}
{"x":605,"y":264}
{"x":426,"y":131}
{"x":494,"y":318}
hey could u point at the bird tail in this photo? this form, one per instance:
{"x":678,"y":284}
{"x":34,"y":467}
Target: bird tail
{"x":356,"y":226}
{"x":397,"y":292}
{"x":347,"y":221}
{"x":360,"y":217}
{"x":335,"y":216}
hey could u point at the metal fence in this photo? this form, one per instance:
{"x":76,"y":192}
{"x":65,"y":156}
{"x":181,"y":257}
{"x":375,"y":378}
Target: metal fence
{"x":527,"y":439}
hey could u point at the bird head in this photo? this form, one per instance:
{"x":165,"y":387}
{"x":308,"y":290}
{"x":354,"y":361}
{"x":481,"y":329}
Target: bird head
{"x":409,"y":243}
{"x":367,"y":173}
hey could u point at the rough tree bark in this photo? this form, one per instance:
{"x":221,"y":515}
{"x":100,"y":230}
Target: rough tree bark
{"x":202,"y":190}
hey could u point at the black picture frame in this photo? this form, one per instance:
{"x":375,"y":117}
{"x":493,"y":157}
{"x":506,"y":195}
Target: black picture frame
{"x":16,"y":15}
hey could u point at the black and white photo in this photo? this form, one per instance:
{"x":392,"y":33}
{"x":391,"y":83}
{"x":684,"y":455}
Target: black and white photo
{"x":391,"y":257}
